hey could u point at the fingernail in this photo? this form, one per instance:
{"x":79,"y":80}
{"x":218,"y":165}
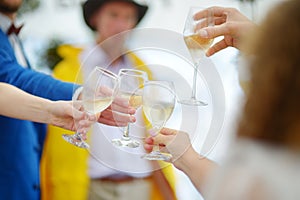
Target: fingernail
{"x":203,"y":33}
{"x":131,"y":111}
{"x":132,"y":119}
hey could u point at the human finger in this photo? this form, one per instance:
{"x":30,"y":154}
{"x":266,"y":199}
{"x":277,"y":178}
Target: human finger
{"x":216,"y":48}
{"x":111,"y":122}
{"x":219,"y":20}
{"x":122,"y":109}
{"x":163,"y":140}
{"x":149,"y":140}
{"x":148,"y":147}
{"x":209,"y":22}
{"x":112,"y":118}
{"x":117,"y":116}
{"x":87,"y":121}
{"x":83,"y":133}
{"x":168,"y":131}
{"x":105,"y":91}
{"x":148,"y":144}
{"x":122,"y":105}
{"x":79,"y":115}
{"x":215,"y":10}
{"x":76,"y":104}
{"x":214,"y":31}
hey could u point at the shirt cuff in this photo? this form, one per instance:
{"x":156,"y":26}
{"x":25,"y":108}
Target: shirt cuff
{"x":77,"y":93}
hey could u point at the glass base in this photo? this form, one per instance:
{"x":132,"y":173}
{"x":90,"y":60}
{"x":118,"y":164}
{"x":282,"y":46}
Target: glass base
{"x":76,"y":140}
{"x":126,"y":142}
{"x":157,"y":155}
{"x":193,"y":102}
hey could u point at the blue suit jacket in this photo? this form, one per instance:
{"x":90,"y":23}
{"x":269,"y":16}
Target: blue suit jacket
{"x":21,"y":141}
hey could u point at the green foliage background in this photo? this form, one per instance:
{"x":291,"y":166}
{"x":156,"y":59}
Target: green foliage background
{"x":29,"y":6}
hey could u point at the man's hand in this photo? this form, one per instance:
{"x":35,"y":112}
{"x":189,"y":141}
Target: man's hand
{"x":119,"y":113}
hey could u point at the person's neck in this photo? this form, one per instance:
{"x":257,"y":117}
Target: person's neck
{"x":113,"y":51}
{"x":115,"y":56}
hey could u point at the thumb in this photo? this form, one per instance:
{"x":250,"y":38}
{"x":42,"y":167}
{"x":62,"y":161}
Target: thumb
{"x":213,"y":32}
{"x":163,"y":139}
{"x":77,"y":114}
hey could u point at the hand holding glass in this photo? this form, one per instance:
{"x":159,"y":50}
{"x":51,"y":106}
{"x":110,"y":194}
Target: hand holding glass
{"x":196,"y":45}
{"x":98,"y":93}
{"x":158,"y":104}
{"x":131,"y":86}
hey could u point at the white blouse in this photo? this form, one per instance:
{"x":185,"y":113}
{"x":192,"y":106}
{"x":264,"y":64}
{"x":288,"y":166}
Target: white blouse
{"x":256,"y":171}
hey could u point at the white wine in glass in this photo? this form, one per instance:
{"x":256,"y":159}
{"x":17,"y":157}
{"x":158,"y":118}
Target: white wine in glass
{"x":197,"y":46}
{"x":158,"y":104}
{"x":131,"y":86}
{"x":95,"y":106}
{"x":98,"y":93}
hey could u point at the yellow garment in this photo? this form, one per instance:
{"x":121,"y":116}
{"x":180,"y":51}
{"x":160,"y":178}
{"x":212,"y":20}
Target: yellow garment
{"x":64,"y":166}
{"x":63,"y":169}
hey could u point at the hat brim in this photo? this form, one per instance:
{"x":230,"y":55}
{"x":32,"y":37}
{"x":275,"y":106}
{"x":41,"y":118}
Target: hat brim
{"x":91,"y":6}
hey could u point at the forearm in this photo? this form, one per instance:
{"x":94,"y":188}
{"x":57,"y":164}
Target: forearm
{"x":19,"y":104}
{"x":196,"y":167}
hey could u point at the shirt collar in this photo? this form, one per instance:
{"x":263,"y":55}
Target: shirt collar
{"x":5,"y":23}
{"x":96,"y":56}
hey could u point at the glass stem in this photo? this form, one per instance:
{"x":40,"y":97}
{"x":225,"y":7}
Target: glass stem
{"x":78,"y":136}
{"x":126,"y":131}
{"x":155,"y":148}
{"x":194,"y":82}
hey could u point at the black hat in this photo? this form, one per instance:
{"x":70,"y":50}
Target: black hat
{"x":91,"y":6}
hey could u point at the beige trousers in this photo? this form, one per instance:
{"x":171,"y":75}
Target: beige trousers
{"x":137,"y":189}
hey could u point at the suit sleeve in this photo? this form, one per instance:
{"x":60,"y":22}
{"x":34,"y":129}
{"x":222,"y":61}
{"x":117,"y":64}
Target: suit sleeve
{"x":33,"y":82}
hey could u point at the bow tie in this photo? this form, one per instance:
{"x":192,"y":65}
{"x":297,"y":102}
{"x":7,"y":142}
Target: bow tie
{"x":12,"y":29}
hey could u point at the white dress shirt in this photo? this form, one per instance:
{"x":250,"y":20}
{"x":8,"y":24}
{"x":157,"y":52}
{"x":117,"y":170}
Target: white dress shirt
{"x":5,"y":23}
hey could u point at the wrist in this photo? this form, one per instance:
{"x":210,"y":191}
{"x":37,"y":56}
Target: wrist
{"x":185,"y":161}
{"x":48,"y":106}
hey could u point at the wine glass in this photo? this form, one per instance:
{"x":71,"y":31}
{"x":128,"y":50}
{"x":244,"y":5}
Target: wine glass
{"x":98,"y":93}
{"x":158,"y":104}
{"x":131,"y":86}
{"x":196,"y":45}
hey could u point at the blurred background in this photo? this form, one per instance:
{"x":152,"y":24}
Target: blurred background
{"x":49,"y":23}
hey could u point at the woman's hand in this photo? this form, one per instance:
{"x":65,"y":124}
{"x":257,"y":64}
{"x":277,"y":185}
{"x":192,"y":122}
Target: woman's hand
{"x":230,"y":23}
{"x":177,"y":143}
{"x":69,"y":115}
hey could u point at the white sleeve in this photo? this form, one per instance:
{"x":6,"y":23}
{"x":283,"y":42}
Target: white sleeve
{"x":77,"y":93}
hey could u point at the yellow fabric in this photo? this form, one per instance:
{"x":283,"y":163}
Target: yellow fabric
{"x":139,"y":64}
{"x":64,"y":166}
